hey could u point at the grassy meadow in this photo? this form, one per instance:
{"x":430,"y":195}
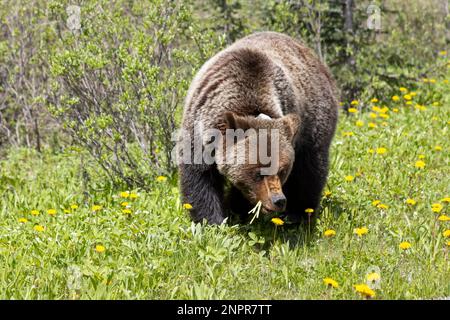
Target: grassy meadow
{"x":383,"y":223}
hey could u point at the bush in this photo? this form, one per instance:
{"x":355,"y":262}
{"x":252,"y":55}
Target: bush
{"x":120,"y":80}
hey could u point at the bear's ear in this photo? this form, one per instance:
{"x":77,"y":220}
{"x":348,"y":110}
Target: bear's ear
{"x":234,"y":121}
{"x":292,"y":124}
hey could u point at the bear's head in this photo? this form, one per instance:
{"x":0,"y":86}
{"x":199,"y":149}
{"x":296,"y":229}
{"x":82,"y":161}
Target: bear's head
{"x":257,"y":156}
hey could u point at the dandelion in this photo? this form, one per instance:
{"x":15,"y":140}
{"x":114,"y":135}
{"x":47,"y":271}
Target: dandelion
{"x":347,"y":133}
{"x":74,"y":206}
{"x":309,"y":210}
{"x":395,"y":109}
{"x":376,"y":109}
{"x":373,"y":115}
{"x":100,"y":248}
{"x":134,"y":196}
{"x":277,"y":221}
{"x":446,"y":199}
{"x":421,"y":156}
{"x":354,"y":102}
{"x":35,"y":212}
{"x":395,"y":98}
{"x":360,"y":231}
{"x":443,"y":53}
{"x":425,"y":80}
{"x":96,"y":208}
{"x":349,"y":178}
{"x":448,"y":243}
{"x":371,"y":151}
{"x":374,"y":100}
{"x":124,"y":204}
{"x":372,"y":125}
{"x":330,"y":283}
{"x":435,"y":104}
{"x":353,"y":110}
{"x":381,"y":150}
{"x":161,"y":178}
{"x":329,"y":233}
{"x":438,"y":148}
{"x":23,"y":220}
{"x":39,"y":228}
{"x":373,"y":277}
{"x":384,"y":109}
{"x":327,"y":194}
{"x":66,"y":211}
{"x":364,"y":290}
{"x":436,"y":207}
{"x":411,"y":201}
{"x":376,"y":202}
{"x":382,"y":206}
{"x":126,"y":211}
{"x":359,"y":123}
{"x":420,"y":164}
{"x":407,"y":97}
{"x":403,"y":89}
{"x":432,"y":80}
{"x":124,"y":194}
{"x":405,"y":245}
{"x":51,"y":212}
{"x":413,"y":93}
{"x":187,"y":206}
{"x":444,"y":218}
{"x":384,"y":116}
{"x":446,"y":233}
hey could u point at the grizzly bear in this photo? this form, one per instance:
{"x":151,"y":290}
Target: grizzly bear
{"x":265,"y":82}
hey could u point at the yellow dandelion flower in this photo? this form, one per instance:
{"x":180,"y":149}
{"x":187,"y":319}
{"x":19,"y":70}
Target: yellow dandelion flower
{"x":436,"y":207}
{"x":374,"y":100}
{"x":187,"y":206}
{"x":446,"y":233}
{"x":353,"y":110}
{"x":35,"y":212}
{"x":421,"y":156}
{"x":436,"y":104}
{"x":373,"y":277}
{"x":126,"y":211}
{"x":365,"y":290}
{"x":384,"y":116}
{"x":360,"y":231}
{"x":425,"y":80}
{"x":124,"y":204}
{"x":359,"y":123}
{"x":100,"y":248}
{"x":407,"y":97}
{"x":347,"y":133}
{"x":66,"y":211}
{"x":403,"y":89}
{"x":371,"y":151}
{"x":23,"y":220}
{"x":74,"y":206}
{"x":420,"y":164}
{"x":309,"y":210}
{"x":446,"y":199}
{"x":349,"y":178}
{"x":330,"y":283}
{"x":277,"y":221}
{"x":411,"y":201}
{"x":443,"y":53}
{"x":395,"y":98}
{"x":161,"y":179}
{"x":376,"y":202}
{"x":444,"y":218}
{"x":51,"y":212}
{"x":372,"y":125}
{"x":413,"y":93}
{"x":448,"y":243}
{"x":96,"y":208}
{"x":329,"y":233}
{"x":124,"y":194}
{"x":381,"y":150}
{"x":405,"y":245}
{"x":376,"y":109}
{"x":327,"y":193}
{"x":372,"y":115}
{"x":384,"y":109}
{"x":39,"y":228}
{"x":432,"y":80}
{"x":438,"y":148}
{"x":134,"y":195}
{"x":354,"y":102}
{"x":382,"y":206}
{"x":395,"y":109}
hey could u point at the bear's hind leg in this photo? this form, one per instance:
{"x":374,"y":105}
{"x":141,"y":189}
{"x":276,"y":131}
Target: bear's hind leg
{"x":203,"y":189}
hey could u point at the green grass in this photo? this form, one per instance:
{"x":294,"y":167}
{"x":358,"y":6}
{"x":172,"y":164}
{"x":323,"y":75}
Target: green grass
{"x":156,"y":252}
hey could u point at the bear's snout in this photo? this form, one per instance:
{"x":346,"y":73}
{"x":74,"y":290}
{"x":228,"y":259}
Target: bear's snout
{"x":279,"y":201}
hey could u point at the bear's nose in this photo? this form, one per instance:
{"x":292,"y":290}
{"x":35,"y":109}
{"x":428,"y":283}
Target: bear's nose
{"x":279,"y":201}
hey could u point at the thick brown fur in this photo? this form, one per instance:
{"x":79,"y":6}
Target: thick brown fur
{"x":273,"y":74}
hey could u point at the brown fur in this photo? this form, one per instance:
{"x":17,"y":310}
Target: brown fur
{"x":276,"y":75}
